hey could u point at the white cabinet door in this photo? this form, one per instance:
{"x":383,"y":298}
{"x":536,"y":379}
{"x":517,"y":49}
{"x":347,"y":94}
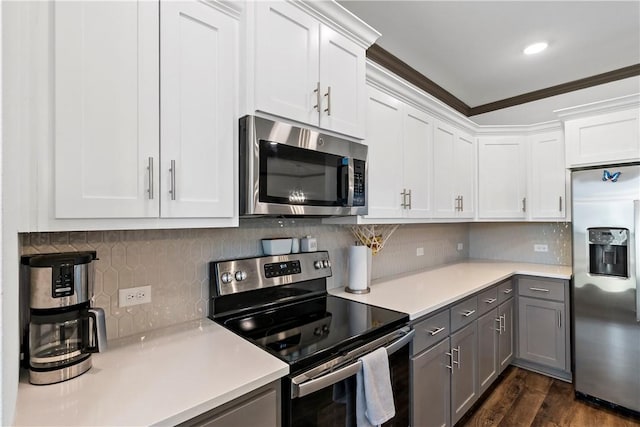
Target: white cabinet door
{"x":342,"y":82}
{"x":384,"y":139}
{"x":502,"y":177}
{"x":287,"y":62}
{"x":548,"y":199}
{"x":454,"y":169}
{"x":198,"y":113}
{"x":106,"y":109}
{"x":603,"y":139}
{"x":465,"y":173}
{"x":417,"y":153}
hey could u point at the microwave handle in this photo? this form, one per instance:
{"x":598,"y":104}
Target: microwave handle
{"x":346,"y":181}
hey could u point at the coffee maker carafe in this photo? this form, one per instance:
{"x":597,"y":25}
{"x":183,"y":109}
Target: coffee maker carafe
{"x":62,"y":329}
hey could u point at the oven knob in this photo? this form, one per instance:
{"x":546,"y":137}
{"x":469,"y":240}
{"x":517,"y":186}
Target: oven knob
{"x":240,"y":276}
{"x":326,"y":263}
{"x":318,"y":265}
{"x":317,"y":332}
{"x":325,"y":329}
{"x":226,"y":277}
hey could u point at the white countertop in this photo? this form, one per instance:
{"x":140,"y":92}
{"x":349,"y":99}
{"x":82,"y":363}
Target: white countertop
{"x":164,"y":377}
{"x":424,"y":292}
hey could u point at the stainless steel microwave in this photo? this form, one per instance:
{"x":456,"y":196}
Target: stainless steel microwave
{"x":288,"y":170}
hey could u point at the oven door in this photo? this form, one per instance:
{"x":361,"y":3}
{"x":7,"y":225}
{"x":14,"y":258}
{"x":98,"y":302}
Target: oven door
{"x":325,"y":395}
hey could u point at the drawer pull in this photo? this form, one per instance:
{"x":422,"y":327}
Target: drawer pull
{"x":539,"y":289}
{"x":507,"y":291}
{"x":490,"y":300}
{"x":468,"y":313}
{"x":436,"y":331}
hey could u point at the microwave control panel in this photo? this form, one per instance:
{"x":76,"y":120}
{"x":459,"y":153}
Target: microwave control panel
{"x":358,"y":182}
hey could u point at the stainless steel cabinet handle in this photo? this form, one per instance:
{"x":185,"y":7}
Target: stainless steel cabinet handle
{"x":503,"y":323}
{"x":507,"y":291}
{"x":403,"y":205}
{"x":560,"y":203}
{"x":454,"y":361}
{"x":490,"y":300}
{"x":450,"y":365}
{"x":457,"y":350}
{"x":328,"y":95}
{"x":559,"y":320}
{"x":436,"y":331}
{"x":461,"y":203}
{"x":539,"y":289}
{"x":318,"y":98}
{"x":409,"y":195}
{"x":150,"y":175}
{"x":524,"y":204}
{"x":468,"y":313}
{"x":499,"y":320}
{"x":172,"y":172}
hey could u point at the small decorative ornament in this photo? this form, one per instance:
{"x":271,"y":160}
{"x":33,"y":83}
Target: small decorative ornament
{"x":608,"y":176}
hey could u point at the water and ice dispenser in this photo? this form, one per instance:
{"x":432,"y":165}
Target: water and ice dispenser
{"x":609,"y":251}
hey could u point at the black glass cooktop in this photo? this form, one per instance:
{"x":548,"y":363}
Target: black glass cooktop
{"x":305,"y":333}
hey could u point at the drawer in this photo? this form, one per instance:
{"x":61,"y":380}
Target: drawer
{"x":430,"y":331}
{"x":487,"y":300}
{"x":464,"y":313}
{"x":505,"y":291}
{"x":540,"y":288}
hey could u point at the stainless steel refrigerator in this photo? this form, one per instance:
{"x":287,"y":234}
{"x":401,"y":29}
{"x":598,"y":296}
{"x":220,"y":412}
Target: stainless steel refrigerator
{"x":606,"y":303}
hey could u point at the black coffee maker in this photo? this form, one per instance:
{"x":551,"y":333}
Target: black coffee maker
{"x":60,"y":328}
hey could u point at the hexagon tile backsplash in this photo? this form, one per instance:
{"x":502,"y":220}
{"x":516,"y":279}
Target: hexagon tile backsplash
{"x":176,"y":262}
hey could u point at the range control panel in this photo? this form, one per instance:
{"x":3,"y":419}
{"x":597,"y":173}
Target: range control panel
{"x":262,"y":272}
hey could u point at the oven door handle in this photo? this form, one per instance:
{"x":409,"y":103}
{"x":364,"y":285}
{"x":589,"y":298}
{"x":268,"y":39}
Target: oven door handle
{"x":309,"y":386}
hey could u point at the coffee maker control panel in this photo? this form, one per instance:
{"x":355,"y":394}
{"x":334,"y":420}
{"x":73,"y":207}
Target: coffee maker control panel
{"x":62,"y":283}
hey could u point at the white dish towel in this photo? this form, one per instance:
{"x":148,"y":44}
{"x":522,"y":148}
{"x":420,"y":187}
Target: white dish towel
{"x":374,"y":396}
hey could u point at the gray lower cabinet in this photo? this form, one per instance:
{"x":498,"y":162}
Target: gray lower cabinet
{"x":431,"y":387}
{"x":488,"y":349}
{"x":260,"y":407}
{"x":464,"y":376}
{"x":542,"y":332}
{"x":506,"y":342}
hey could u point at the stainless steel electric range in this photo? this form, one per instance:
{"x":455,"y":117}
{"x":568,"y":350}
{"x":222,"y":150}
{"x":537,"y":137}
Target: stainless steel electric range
{"x":280,"y":303}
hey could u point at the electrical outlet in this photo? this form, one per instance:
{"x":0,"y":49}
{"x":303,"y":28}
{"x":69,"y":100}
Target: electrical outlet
{"x":134,"y":296}
{"x":540,"y":248}
{"x":460,"y":246}
{"x":419,"y":251}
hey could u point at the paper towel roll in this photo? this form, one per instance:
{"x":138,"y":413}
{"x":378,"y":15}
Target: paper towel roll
{"x":359,"y":268}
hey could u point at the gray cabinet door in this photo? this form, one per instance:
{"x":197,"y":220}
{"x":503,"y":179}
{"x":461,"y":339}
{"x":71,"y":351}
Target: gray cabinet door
{"x":488,"y":330}
{"x":431,"y":387}
{"x":505,"y":337}
{"x":542,"y":332}
{"x":464,"y":375}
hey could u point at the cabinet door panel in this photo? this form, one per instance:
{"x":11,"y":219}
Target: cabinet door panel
{"x":198,"y":126}
{"x":444,"y":185}
{"x":431,"y":387}
{"x":342,"y":77}
{"x":542,"y":332}
{"x":502,"y":178}
{"x":488,"y":326}
{"x":505,"y":338}
{"x":418,"y":153}
{"x":384,"y":137}
{"x":464,"y":385}
{"x":465,"y":155}
{"x":106,"y":104}
{"x":548,"y":175}
{"x":287,"y":68}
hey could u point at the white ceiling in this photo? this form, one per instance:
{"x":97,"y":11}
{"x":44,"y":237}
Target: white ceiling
{"x":473,"y":49}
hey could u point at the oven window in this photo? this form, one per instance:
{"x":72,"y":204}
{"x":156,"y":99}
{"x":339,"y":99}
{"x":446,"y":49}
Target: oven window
{"x":292,"y":175}
{"x":334,"y":405}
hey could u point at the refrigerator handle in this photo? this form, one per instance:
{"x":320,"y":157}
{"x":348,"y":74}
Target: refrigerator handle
{"x":636,"y":231}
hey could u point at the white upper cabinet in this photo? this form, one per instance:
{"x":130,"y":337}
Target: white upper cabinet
{"x":145,"y":113}
{"x":399,"y":140}
{"x":548,"y":177}
{"x":384,"y":139}
{"x":454,"y":160}
{"x":106,"y":74}
{"x":307,"y":71}
{"x":602,"y":133}
{"x":198,"y":113}
{"x":502,"y":177}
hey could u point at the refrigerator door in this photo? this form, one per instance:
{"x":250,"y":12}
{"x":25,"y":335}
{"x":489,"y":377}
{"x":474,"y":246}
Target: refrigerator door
{"x":606,"y":328}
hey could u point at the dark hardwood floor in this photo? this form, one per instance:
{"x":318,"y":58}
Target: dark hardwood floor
{"x":524,"y":398}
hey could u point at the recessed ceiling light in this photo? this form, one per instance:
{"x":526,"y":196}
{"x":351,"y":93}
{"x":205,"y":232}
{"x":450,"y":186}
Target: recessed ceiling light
{"x":535,"y":48}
